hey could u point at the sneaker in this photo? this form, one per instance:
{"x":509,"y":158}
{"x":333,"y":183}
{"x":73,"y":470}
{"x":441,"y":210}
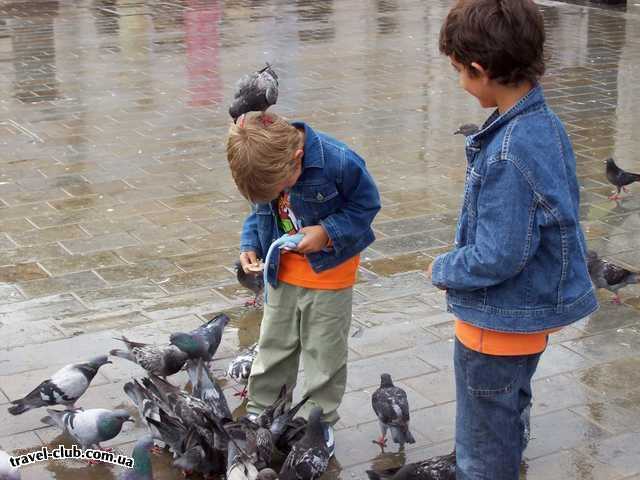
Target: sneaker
{"x":327,"y":429}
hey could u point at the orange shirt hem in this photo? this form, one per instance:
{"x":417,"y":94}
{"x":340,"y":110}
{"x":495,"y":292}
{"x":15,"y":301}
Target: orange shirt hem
{"x":296,"y":270}
{"x":491,"y":342}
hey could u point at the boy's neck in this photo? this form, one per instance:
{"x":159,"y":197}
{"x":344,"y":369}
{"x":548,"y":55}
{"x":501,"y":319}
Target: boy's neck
{"x":507,"y":96}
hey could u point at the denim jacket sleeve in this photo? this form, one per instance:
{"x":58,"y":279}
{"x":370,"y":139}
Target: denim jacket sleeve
{"x":359,"y":190}
{"x":249,"y":240}
{"x":506,"y":207}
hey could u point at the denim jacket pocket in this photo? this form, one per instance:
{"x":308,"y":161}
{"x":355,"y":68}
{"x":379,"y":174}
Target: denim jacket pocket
{"x":490,"y":379}
{"x":320,"y":201}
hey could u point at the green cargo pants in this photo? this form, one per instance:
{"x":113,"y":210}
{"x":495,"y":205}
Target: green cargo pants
{"x":309,"y":324}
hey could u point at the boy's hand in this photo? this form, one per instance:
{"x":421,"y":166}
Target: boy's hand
{"x":248,"y":259}
{"x":315,"y":239}
{"x":429,"y":271}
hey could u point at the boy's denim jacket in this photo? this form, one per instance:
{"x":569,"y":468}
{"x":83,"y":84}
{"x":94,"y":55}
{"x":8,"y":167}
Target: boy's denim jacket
{"x":519,"y":259}
{"x":334,"y":190}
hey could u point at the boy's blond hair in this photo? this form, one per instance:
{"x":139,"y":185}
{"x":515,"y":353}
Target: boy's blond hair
{"x":260,"y":151}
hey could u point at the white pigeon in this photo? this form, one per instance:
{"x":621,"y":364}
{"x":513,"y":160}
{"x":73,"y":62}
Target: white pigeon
{"x":89,"y":427}
{"x":64,"y":387}
{"x":240,"y":368}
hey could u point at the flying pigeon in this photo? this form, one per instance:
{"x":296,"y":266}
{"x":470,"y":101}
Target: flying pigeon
{"x":64,"y":387}
{"x":250,"y":281}
{"x":436,"y":468}
{"x":142,"y":469}
{"x":91,"y":427}
{"x":240,"y":368}
{"x":204,"y":340}
{"x":467,"y":129}
{"x":7,"y":472}
{"x":255,"y":92}
{"x":162,"y":361}
{"x":309,"y":457}
{"x":392,"y":408}
{"x":609,"y":275}
{"x":619,"y":178}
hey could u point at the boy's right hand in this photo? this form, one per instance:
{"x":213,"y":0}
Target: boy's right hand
{"x":247,"y":260}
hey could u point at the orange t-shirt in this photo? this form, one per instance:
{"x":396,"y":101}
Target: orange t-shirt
{"x":296,"y":270}
{"x":501,"y":343}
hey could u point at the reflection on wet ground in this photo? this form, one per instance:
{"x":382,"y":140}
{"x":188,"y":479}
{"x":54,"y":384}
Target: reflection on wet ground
{"x":118,"y":214}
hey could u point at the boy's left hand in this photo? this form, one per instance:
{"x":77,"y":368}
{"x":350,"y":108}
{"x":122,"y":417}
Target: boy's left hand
{"x":315,"y":239}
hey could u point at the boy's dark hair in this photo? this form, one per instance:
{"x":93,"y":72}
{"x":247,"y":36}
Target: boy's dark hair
{"x":506,"y":37}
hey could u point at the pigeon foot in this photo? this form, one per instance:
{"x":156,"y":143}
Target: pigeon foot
{"x":242,"y":394}
{"x":615,"y":197}
{"x":381,"y":442}
{"x":156,"y":450}
{"x":616,"y":300}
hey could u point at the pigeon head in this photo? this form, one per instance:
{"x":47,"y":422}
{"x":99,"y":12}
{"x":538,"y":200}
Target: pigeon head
{"x":141,"y":458}
{"x":192,"y":345}
{"x":221,"y":319}
{"x":97,"y":362}
{"x":385,"y":380}
{"x":267,"y":474}
{"x":609,"y":162}
{"x":110,"y":424}
{"x":592,"y":256}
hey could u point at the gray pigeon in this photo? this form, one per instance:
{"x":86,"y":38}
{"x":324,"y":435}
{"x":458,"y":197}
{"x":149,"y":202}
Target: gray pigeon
{"x":202,"y":342}
{"x":252,"y":282}
{"x":159,"y":360}
{"x":309,"y":457}
{"x":619,"y":178}
{"x":7,"y":472}
{"x":392,"y":408}
{"x":467,"y":129}
{"x":436,"y":468}
{"x":64,"y":387}
{"x":142,"y":469}
{"x":609,"y":275}
{"x":240,"y":368}
{"x":148,"y":407}
{"x":255,"y":92}
{"x":206,"y":388}
{"x":91,"y":427}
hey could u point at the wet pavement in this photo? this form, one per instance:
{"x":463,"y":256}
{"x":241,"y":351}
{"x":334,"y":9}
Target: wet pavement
{"x":118,"y":213}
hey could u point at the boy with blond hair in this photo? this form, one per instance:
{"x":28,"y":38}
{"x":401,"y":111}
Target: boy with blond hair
{"x":302,"y":181}
{"x":518,"y":271}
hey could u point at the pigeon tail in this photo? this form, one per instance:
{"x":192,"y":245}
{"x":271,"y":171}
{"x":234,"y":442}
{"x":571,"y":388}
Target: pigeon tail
{"x":54,"y":419}
{"x":20,"y":406}
{"x":402,"y":435}
{"x":122,"y":354}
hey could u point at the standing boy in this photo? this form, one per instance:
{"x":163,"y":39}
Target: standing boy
{"x":518,"y":270}
{"x":302,"y":181}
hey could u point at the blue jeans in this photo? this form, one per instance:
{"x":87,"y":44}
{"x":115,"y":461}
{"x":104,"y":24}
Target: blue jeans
{"x":493,"y":395}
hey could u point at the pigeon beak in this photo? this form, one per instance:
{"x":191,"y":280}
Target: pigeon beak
{"x":130,"y":420}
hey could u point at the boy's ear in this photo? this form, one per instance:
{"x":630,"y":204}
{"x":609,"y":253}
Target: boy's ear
{"x":479,"y":70}
{"x":297,"y":156}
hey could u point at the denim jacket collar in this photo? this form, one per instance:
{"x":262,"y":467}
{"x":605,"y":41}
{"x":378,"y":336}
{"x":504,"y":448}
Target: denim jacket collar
{"x":534,"y":98}
{"x":313,"y":154}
